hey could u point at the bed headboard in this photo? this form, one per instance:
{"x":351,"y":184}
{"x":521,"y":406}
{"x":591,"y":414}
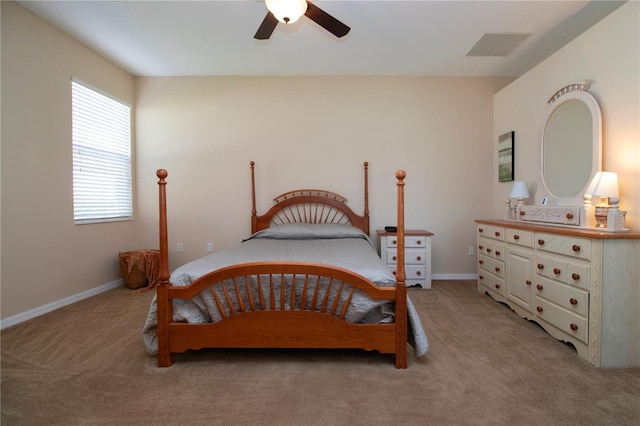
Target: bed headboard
{"x":309,"y":206}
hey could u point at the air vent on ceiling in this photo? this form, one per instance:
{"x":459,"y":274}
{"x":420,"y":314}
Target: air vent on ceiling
{"x":501,"y":44}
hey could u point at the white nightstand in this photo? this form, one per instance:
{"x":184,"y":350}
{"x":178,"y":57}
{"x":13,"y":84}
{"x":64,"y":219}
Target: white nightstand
{"x":417,"y":255}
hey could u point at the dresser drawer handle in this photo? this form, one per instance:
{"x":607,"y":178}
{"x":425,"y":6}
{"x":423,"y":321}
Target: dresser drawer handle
{"x":419,"y":258}
{"x":516,"y":237}
{"x":527,"y":282}
{"x":497,"y":252}
{"x":576,"y":248}
{"x":556,"y":271}
{"x":569,"y":216}
{"x":497,"y":234}
{"x":481,"y":277}
{"x":539,"y":287}
{"x":419,"y":242}
{"x":488,"y":250}
{"x":497,"y":285}
{"x":574,"y":327}
{"x":540,"y":266}
{"x":418,"y":273}
{"x":481,"y":261}
{"x":575,"y":276}
{"x":539,"y":309}
{"x":541,"y":242}
{"x":394,"y":258}
{"x":480,"y":230}
{"x":394,"y":242}
{"x":522,"y":213}
{"x":573,"y":301}
{"x":497,"y":269}
{"x":394,"y":272}
{"x":481,"y":247}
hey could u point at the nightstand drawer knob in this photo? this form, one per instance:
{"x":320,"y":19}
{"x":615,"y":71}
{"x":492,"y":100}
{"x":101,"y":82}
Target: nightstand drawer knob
{"x":418,"y":273}
{"x":394,"y":258}
{"x":419,"y":258}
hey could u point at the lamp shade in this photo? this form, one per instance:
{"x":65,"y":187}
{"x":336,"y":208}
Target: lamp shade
{"x":604,"y":184}
{"x":519,"y":190}
{"x":287,"y":11}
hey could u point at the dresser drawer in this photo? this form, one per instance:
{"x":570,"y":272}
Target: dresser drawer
{"x":491,"y":248}
{"x":566,"y":321}
{"x":550,"y":267}
{"x":492,"y":266}
{"x":571,"y":299}
{"x":489,"y":231}
{"x":565,"y":245}
{"x":409,"y":241}
{"x":492,"y":282}
{"x":411,"y":256}
{"x":518,"y":236}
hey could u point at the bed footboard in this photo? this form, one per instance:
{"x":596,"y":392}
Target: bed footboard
{"x":282,"y":305}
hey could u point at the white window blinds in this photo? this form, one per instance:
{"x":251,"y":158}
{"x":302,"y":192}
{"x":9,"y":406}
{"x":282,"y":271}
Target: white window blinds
{"x":102,"y":183}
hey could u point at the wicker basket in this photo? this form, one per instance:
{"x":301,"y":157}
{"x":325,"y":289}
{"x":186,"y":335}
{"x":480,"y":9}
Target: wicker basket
{"x":133,"y":267}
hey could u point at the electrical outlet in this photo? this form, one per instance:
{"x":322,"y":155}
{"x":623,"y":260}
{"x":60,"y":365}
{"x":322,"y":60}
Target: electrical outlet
{"x":209,"y":246}
{"x":471,"y":251}
{"x":179,"y":248}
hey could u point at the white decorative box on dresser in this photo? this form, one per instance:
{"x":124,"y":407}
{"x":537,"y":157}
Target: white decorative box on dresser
{"x":417,"y":255}
{"x":581,"y":286}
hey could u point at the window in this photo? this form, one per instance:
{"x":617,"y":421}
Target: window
{"x":102,"y":183}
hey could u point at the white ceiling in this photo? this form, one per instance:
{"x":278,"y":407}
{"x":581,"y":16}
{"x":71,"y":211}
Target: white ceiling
{"x":419,"y":37}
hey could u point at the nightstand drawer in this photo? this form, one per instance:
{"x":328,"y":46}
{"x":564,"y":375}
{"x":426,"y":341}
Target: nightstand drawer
{"x":412,"y":271}
{"x":411,"y":256}
{"x":409,"y":241}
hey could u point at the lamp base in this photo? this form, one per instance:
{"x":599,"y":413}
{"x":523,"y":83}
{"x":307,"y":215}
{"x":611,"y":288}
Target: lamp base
{"x":602,"y":212}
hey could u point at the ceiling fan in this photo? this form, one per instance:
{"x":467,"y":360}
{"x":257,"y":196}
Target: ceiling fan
{"x":288,"y":12}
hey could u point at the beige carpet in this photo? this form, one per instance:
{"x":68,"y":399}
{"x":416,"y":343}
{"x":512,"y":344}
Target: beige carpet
{"x":86,"y":364}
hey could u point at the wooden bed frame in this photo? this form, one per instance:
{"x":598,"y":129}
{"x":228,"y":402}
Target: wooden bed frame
{"x":259,"y":324}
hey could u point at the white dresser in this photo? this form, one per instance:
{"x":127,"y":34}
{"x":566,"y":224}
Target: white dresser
{"x":417,"y":255}
{"x":581,"y":286}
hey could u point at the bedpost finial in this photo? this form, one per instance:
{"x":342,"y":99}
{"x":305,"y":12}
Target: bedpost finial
{"x":162,"y":174}
{"x":366,"y":164}
{"x":401,"y":174}
{"x":252,"y":163}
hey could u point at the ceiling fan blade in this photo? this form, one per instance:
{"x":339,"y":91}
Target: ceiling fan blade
{"x":326,"y":21}
{"x":266,"y":28}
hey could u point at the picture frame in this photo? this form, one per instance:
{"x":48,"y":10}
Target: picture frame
{"x":505,"y":157}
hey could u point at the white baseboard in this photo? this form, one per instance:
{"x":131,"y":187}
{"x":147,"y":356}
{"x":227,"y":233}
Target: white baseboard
{"x":25,"y":316}
{"x":454,"y":276}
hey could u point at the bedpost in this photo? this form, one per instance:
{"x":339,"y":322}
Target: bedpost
{"x":164,"y":305}
{"x":254,"y":213}
{"x":366,"y":197}
{"x":401,"y":287}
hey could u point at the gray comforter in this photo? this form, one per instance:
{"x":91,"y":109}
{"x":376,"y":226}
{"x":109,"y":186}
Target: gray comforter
{"x":338,"y":245}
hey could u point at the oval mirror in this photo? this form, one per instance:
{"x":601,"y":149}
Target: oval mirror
{"x":571,"y":144}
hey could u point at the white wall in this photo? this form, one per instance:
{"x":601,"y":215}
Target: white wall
{"x":45,"y":257}
{"x":316,"y":132}
{"x":608,"y":54}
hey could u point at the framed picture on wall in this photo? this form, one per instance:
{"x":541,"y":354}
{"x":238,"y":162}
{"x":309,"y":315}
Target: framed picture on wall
{"x":505,"y":157}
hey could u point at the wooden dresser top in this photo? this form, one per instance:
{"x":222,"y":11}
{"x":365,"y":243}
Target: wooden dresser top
{"x":563,"y":230}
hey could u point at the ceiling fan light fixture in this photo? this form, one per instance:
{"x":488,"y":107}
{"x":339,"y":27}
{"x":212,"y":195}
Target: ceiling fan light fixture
{"x":287,"y":11}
